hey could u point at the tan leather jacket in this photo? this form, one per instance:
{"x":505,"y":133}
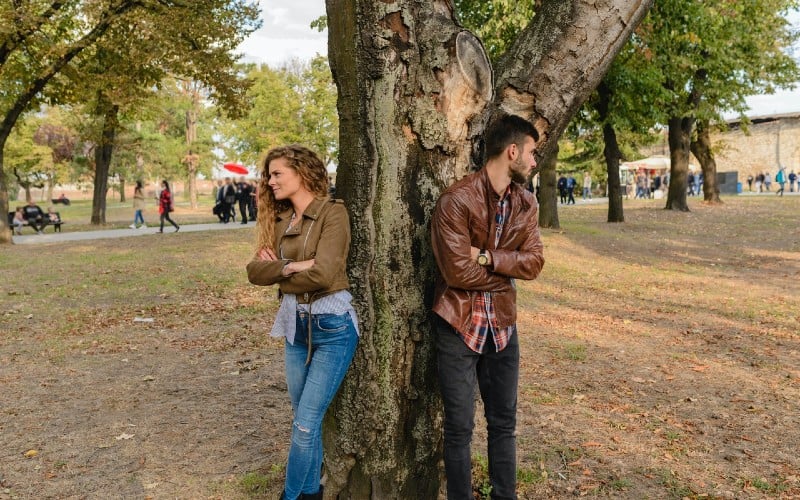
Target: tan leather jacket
{"x":324,"y":236}
{"x":464,"y":217}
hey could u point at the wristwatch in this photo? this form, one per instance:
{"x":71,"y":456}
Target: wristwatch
{"x":483,"y":259}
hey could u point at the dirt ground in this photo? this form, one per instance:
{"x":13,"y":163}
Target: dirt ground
{"x":659,"y":360}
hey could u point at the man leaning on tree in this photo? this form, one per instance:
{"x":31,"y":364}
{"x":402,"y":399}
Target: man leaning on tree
{"x":485,"y":235}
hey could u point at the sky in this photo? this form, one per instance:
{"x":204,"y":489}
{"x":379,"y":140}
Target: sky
{"x":286,"y":34}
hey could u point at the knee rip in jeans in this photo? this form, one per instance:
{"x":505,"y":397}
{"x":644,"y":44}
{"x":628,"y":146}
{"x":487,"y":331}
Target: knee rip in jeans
{"x":304,"y":437}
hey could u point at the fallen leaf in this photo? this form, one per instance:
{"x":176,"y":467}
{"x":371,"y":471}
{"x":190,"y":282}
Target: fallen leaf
{"x":124,"y":436}
{"x":31,"y":453}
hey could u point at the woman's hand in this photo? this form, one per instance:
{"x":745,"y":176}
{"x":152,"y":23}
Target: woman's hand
{"x":296,"y":267}
{"x":266,"y":254}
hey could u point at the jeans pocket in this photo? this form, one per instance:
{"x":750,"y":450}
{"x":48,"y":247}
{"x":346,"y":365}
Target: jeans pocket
{"x":332,"y":323}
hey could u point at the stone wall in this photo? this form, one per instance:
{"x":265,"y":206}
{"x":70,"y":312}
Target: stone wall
{"x":770,"y":142}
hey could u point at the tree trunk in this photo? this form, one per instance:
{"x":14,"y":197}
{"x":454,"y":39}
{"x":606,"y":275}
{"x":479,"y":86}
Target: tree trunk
{"x":415,"y":94}
{"x":192,"y":159}
{"x":122,"y":190}
{"x":612,"y":155}
{"x":548,"y":201}
{"x":701,"y":148}
{"x":680,"y":136}
{"x":615,"y":189}
{"x":102,"y":159}
{"x":51,"y":180}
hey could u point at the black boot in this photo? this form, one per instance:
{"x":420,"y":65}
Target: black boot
{"x":312,"y":496}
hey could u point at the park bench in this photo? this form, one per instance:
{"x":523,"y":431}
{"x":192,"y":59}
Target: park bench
{"x":47,"y":222}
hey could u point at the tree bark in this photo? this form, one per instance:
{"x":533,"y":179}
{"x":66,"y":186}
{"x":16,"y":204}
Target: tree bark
{"x":548,"y":200}
{"x":680,"y":136}
{"x":701,"y":148}
{"x":612,"y":155}
{"x":415,"y":94}
{"x":192,"y":159}
{"x":102,"y":159}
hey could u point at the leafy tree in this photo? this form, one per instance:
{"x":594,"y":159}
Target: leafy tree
{"x":294,"y":103}
{"x":45,"y":48}
{"x":415,"y":93}
{"x":712,"y":55}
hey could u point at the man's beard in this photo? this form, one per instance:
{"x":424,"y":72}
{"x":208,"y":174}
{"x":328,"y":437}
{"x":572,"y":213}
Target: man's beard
{"x":516,"y":175}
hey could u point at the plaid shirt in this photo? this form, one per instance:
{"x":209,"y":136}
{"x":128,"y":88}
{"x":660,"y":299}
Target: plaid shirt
{"x":483,"y":316}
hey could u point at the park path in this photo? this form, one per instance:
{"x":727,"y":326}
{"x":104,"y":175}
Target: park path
{"x":34,"y":239}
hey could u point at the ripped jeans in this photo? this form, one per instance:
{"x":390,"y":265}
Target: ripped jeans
{"x":311,"y":389}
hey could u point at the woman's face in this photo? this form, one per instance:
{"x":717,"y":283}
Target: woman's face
{"x":284,"y":181}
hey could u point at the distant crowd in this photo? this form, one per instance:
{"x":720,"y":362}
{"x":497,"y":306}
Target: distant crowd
{"x":229,"y":194}
{"x":763,"y":182}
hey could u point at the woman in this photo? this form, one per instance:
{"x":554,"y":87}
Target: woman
{"x":303,"y":240}
{"x":165,"y":206}
{"x":138,"y":206}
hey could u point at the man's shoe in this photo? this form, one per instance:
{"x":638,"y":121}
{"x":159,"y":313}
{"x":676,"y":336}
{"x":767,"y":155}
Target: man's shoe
{"x":143,"y":226}
{"x":132,"y":226}
{"x":177,"y":229}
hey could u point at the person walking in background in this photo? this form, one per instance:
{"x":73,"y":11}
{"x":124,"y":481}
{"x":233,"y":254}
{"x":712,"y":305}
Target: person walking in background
{"x":690,"y":184}
{"x":165,"y":206}
{"x":571,"y":185}
{"x":477,"y":342}
{"x":303,"y":241}
{"x":243,"y":191}
{"x":587,"y":186}
{"x":780,"y":178}
{"x":792,"y":179}
{"x":138,"y":206}
{"x":767,"y":181}
{"x":750,"y":183}
{"x":562,"y":188}
{"x":759,"y":182}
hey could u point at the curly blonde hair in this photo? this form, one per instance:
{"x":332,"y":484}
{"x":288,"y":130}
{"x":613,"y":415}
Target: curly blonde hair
{"x":313,"y":175}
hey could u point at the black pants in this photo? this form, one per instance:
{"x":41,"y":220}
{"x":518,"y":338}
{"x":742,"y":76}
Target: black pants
{"x":165,"y":216}
{"x":243,"y":210}
{"x":497,"y":375}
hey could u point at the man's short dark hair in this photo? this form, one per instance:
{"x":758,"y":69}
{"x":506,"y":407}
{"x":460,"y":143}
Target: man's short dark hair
{"x":506,"y":130}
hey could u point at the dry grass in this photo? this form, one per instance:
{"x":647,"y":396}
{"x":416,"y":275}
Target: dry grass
{"x":660,"y":360}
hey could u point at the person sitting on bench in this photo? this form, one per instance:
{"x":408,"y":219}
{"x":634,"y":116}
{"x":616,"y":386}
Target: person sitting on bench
{"x":35,"y":216}
{"x":18,"y":221}
{"x":54,"y":219}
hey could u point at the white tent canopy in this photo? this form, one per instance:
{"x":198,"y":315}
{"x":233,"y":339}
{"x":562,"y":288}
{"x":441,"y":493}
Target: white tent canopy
{"x":652,"y":163}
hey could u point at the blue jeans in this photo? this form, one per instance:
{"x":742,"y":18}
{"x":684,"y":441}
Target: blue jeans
{"x":137,"y":217}
{"x":496,"y":374}
{"x":311,"y":389}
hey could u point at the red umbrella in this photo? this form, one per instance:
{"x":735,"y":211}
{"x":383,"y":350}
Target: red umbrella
{"x":236,"y":168}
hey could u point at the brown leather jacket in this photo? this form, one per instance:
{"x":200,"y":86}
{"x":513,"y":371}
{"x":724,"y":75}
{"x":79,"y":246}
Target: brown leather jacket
{"x":324,"y":236}
{"x":464,"y":217}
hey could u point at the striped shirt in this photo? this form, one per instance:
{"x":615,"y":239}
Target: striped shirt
{"x":285,"y":324}
{"x":484,"y":320}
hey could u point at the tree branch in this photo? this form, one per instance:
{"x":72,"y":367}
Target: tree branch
{"x":19,"y":36}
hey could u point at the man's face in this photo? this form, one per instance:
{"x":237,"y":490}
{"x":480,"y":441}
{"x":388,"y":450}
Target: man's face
{"x":525,"y":162}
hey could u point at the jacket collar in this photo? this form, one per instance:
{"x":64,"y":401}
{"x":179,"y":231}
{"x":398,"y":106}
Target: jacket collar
{"x":515,"y":196}
{"x":312,"y":211}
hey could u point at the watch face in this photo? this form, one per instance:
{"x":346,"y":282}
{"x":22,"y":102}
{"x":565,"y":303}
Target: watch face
{"x":483,"y":259}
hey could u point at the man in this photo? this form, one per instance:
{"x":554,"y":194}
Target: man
{"x":35,"y":216}
{"x":243,"y":195}
{"x":485,"y":234}
{"x":218,"y":203}
{"x":228,"y":199}
{"x":562,"y":188}
{"x":792,"y":179}
{"x":587,"y":186}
